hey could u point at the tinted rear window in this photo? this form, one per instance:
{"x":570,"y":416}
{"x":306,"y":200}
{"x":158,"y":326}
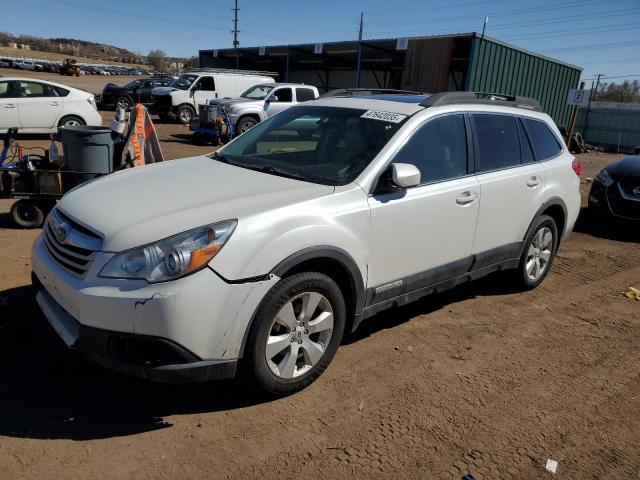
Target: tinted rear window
{"x":544,"y":142}
{"x":497,"y":142}
{"x":304,"y":94}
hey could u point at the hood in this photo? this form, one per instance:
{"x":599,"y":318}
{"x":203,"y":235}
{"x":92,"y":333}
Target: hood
{"x":162,"y":90}
{"x":142,"y":205}
{"x":109,"y":87}
{"x":625,"y":170}
{"x":235,"y":101}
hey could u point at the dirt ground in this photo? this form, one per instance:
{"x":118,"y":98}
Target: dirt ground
{"x":482,"y":378}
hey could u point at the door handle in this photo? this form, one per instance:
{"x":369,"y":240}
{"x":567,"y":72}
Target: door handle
{"x":466,"y":198}
{"x":533,"y":182}
{"x":54,"y":104}
{"x":9,"y":105}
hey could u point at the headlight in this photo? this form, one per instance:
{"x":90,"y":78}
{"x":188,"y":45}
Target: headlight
{"x":604,"y":178}
{"x":92,"y":102}
{"x":173,"y":257}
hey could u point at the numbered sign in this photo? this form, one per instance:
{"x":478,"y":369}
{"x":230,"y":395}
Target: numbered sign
{"x":317,"y":48}
{"x":402,"y":43}
{"x":579,"y":98}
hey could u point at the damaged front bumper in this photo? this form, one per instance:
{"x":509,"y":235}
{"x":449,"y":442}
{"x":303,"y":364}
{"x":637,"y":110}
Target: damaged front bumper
{"x":191,"y":329}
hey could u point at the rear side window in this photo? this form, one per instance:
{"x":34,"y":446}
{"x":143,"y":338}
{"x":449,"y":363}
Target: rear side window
{"x":544,"y":142}
{"x":497,"y":142}
{"x":284,"y":95}
{"x":304,"y":94}
{"x":62,"y":92}
{"x":438,"y":148}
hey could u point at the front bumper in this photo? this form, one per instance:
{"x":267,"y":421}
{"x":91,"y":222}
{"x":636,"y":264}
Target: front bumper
{"x":614,"y":200}
{"x":144,"y":356}
{"x":201,"y":313}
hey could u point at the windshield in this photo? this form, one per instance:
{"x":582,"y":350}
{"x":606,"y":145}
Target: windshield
{"x":134,"y":84}
{"x":183,"y":82}
{"x":326,"y":145}
{"x":259,"y":92}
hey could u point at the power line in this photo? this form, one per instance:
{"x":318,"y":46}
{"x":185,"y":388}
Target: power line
{"x":453,"y":5}
{"x":596,"y":46}
{"x":615,"y":76}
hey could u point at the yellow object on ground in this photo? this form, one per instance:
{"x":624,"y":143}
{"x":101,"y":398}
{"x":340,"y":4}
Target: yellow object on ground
{"x":632,"y":293}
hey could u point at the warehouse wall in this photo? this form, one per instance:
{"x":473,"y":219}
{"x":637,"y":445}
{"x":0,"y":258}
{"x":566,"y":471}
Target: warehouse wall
{"x":500,"y":68}
{"x":608,"y":126}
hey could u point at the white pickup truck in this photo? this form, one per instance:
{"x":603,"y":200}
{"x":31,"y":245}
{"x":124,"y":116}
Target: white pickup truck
{"x":182,"y":98}
{"x":252,"y":107}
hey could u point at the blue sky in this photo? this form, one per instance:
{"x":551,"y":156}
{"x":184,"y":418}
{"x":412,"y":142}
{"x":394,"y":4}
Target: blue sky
{"x":600,"y":36}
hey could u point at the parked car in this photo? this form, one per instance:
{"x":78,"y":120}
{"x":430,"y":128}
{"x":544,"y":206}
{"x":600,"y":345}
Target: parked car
{"x":258,"y":258}
{"x":38,"y":106}
{"x":182,"y":98}
{"x":25,"y":65}
{"x":255,"y":105}
{"x":615,"y":190}
{"x":365,"y":92}
{"x":116,"y":96}
{"x":5,"y":63}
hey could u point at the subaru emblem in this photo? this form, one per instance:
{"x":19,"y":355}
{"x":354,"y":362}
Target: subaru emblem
{"x":636,"y":191}
{"x":61,"y":234}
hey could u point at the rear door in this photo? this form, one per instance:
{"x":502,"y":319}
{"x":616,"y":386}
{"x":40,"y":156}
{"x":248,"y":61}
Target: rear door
{"x":143,"y":95}
{"x":8,"y":105}
{"x":511,"y":184}
{"x":39,"y":105}
{"x":279,"y":100}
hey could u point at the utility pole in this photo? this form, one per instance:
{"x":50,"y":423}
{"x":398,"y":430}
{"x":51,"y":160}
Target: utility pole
{"x":235,"y":32}
{"x":484,"y":27}
{"x":361,"y":26}
{"x":592,"y":96}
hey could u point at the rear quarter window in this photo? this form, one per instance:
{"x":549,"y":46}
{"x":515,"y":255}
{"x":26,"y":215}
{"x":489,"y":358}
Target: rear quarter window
{"x":304,"y":94}
{"x":545,"y":144}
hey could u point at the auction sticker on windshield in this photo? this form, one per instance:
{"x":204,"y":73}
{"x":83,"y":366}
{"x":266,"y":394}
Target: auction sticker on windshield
{"x":383,"y":116}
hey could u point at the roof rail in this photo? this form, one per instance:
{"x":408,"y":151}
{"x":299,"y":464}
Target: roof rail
{"x":231,"y":71}
{"x":456,"y":98}
{"x":356,"y":92}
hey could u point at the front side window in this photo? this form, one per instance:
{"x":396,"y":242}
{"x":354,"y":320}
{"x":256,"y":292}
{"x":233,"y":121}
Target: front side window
{"x":283,"y":95}
{"x":206,"y":84}
{"x":545,"y":144}
{"x":497,"y":141}
{"x":147,"y":84}
{"x":259,"y":92}
{"x":438,"y":148}
{"x":8,"y":90}
{"x":325,"y":145}
{"x":33,"y":89}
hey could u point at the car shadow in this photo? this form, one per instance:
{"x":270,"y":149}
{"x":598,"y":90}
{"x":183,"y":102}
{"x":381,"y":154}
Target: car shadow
{"x":50,"y":391}
{"x":495,"y":284}
{"x":7,"y":222}
{"x":607,"y":227}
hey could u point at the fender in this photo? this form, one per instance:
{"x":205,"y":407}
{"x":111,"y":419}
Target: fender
{"x":551,"y":202}
{"x":321,"y":251}
{"x":261,"y":114}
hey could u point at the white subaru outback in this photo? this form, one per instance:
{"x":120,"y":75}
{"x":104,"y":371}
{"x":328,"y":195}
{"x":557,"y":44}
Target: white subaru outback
{"x":256,"y":260}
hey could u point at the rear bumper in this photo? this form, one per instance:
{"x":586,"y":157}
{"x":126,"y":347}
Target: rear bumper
{"x":144,"y":356}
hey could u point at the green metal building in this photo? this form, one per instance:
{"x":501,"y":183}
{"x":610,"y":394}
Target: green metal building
{"x":427,"y":64}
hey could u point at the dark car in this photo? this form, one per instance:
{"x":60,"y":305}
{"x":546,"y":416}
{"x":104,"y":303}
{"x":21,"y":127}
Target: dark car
{"x":616,"y":189}
{"x":138,"y":91}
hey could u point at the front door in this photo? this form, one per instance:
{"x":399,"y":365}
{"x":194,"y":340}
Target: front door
{"x":8,"y":105}
{"x":279,"y":100}
{"x":423,"y":235}
{"x":203,"y":90}
{"x":39,"y":105}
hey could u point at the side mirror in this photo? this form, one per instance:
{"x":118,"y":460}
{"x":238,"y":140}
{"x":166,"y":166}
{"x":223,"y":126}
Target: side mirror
{"x":272,"y":98}
{"x":405,"y":175}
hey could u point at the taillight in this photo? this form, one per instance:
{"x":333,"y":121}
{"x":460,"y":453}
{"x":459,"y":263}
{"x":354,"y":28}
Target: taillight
{"x":576,"y":166}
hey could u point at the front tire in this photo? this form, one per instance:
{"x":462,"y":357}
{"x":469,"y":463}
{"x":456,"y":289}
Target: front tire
{"x":185,"y":113}
{"x":245,"y":124}
{"x":124,"y":103}
{"x":295,"y":334}
{"x":538,"y":253}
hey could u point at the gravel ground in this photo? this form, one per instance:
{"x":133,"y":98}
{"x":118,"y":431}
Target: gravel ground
{"x":481,"y":378}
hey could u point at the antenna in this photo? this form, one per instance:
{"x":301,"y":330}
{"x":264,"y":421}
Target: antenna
{"x":235,"y":31}
{"x":361,"y":26}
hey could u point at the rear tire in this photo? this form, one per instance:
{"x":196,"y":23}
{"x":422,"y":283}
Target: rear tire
{"x":27,"y":214}
{"x":124,"y":103}
{"x":71,"y":121}
{"x":538,"y":253}
{"x":299,"y":325}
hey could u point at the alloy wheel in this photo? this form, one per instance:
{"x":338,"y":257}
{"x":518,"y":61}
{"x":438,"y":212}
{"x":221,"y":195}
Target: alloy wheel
{"x":299,"y":335}
{"x":539,"y":253}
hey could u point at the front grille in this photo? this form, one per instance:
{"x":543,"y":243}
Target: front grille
{"x":70,"y":244}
